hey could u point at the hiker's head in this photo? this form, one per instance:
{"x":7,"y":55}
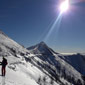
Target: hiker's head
{"x":3,"y":58}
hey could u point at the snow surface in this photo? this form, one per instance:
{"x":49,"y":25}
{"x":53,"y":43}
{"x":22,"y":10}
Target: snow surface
{"x":46,"y":56}
{"x":77,"y":61}
{"x":16,"y":78}
{"x":23,"y":74}
{"x":38,"y":66}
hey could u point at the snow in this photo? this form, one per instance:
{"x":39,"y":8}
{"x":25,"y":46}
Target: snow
{"x":16,"y":78}
{"x":26,"y":74}
{"x":77,"y":61}
{"x":7,"y":44}
{"x":54,"y":60}
{"x":34,"y":66}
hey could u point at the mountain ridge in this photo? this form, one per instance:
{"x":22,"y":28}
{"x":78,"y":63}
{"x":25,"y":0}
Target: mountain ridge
{"x":51,"y":59}
{"x":40,"y":64}
{"x":41,"y":46}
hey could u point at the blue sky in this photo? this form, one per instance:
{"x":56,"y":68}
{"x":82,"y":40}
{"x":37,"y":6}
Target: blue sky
{"x":29,"y":21}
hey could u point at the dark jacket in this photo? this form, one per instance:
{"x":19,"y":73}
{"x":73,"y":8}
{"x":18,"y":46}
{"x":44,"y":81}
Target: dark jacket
{"x":4,"y":62}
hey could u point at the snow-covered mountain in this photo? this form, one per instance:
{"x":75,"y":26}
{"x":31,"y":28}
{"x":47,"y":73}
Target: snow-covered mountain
{"x":39,"y":65}
{"x":41,"y":48}
{"x":19,"y":69}
{"x":51,"y":61}
{"x":77,"y":61}
{"x":10,"y":47}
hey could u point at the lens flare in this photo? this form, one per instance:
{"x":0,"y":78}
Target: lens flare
{"x":64,"y":6}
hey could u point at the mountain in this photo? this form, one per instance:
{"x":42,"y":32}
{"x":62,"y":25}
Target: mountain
{"x":39,"y":65}
{"x":20,"y":70}
{"x":77,"y":61}
{"x":41,"y":48}
{"x":10,"y":47}
{"x":55,"y":65}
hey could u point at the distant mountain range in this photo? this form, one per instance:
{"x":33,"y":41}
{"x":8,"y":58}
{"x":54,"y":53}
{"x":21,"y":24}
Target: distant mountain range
{"x":76,"y":60}
{"x":40,"y":64}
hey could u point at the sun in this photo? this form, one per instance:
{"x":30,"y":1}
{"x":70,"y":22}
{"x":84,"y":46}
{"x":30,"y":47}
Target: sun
{"x":64,"y":6}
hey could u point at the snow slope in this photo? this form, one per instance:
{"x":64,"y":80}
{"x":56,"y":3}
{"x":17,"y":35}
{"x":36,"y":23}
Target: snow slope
{"x":54,"y":64}
{"x":24,"y":73}
{"x":77,"y":61}
{"x":38,"y":66}
{"x":8,"y":46}
{"x":16,"y":78}
{"x":20,"y":72}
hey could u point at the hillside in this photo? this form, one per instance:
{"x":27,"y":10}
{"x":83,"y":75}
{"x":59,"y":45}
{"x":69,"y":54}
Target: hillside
{"x":39,"y":65}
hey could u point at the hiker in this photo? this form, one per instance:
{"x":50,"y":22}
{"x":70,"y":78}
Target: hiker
{"x":3,"y":63}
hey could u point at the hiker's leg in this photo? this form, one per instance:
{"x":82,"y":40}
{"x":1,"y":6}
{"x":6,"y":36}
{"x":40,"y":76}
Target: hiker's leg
{"x":2,"y":71}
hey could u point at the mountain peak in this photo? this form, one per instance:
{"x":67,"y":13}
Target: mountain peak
{"x":42,"y":43}
{"x":41,"y":48}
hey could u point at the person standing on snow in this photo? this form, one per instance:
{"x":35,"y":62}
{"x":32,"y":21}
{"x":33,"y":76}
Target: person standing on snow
{"x":3,"y":63}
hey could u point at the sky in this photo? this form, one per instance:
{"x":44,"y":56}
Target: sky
{"x":29,"y":22}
